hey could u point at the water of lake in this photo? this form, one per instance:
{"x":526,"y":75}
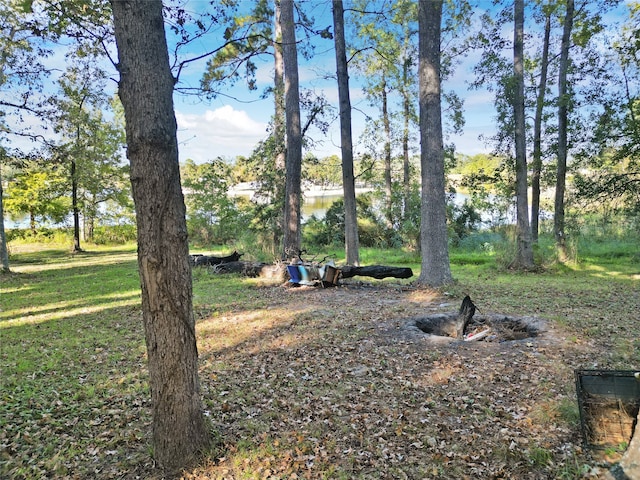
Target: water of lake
{"x":318,"y":205}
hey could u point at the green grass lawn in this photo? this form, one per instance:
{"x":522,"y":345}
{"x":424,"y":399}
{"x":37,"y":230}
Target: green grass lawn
{"x":307,"y":382}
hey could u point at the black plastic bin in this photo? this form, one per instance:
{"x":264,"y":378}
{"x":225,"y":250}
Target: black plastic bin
{"x":608,"y":401}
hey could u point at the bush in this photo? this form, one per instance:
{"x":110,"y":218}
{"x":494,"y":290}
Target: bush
{"x":329,"y":231}
{"x":482,"y":241}
{"x":17,"y":234}
{"x":114,"y":234}
{"x":463,"y":220}
{"x":42,"y":235}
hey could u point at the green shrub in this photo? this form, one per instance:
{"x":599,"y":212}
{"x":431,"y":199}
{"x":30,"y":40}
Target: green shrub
{"x":329,"y":231}
{"x":114,"y":234}
{"x":16,"y":234}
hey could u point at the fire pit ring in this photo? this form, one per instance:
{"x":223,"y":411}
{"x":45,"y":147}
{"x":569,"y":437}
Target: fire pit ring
{"x":490,"y":328}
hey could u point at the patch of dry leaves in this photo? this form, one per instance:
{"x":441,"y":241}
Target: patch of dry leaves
{"x":327,"y":383}
{"x":335,"y":387}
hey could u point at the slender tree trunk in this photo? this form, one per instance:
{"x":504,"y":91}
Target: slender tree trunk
{"x":4,"y":251}
{"x":278,"y":128}
{"x":386,"y":122}
{"x":524,"y":248}
{"x":293,"y":194}
{"x":436,"y":270}
{"x":89,"y":225}
{"x":74,"y":207}
{"x":346,"y":142}
{"x":406,"y":102}
{"x":32,"y":222}
{"x":146,"y":90}
{"x":563,"y":102}
{"x":537,"y":133}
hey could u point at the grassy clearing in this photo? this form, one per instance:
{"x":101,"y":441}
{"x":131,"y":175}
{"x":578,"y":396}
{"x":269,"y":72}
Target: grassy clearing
{"x":309,"y":383}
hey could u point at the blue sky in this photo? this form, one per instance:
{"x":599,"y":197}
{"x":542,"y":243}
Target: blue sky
{"x":225,"y":127}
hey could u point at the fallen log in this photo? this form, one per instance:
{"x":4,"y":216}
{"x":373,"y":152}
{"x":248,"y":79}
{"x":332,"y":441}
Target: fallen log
{"x":268,"y":270}
{"x":376,"y":271}
{"x":251,"y":269}
{"x":211,"y":260}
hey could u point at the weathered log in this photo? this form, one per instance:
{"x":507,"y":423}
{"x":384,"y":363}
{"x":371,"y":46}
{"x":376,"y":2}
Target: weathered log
{"x":266,"y":270}
{"x":211,"y":260}
{"x":376,"y":271}
{"x":251,"y":269}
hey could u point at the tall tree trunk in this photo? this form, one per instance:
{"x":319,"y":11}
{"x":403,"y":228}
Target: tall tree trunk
{"x":293,"y":194}
{"x":436,"y":270}
{"x":89,"y":227}
{"x":536,"y":169}
{"x":74,"y":207}
{"x":32,"y":222}
{"x":278,"y":128}
{"x":346,"y":142}
{"x":386,"y":122}
{"x":524,"y":247}
{"x":4,"y":251}
{"x":146,"y":90}
{"x":563,"y":102}
{"x":406,"y":103}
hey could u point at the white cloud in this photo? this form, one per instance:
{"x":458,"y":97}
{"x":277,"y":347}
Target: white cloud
{"x":223,"y":132}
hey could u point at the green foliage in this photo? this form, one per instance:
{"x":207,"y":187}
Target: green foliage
{"x":329,"y":231}
{"x":115,"y":234}
{"x":322,"y":172}
{"x":21,"y":67}
{"x":246,"y":37}
{"x":484,"y":241}
{"x":266,"y":206}
{"x":212,"y":216}
{"x":539,"y":456}
{"x":43,"y":235}
{"x":409,"y":217}
{"x":37,"y":190}
{"x":490,"y":191}
{"x":462,"y":220}
{"x":480,"y":164}
{"x":91,"y":145}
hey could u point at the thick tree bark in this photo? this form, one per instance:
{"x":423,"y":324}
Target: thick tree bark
{"x":436,"y":270}
{"x":537,"y":133}
{"x":346,"y":141}
{"x":293,"y":188}
{"x":563,"y":102}
{"x":524,"y":247}
{"x":146,"y":90}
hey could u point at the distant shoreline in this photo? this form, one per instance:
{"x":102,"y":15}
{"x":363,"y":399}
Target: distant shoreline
{"x":248,"y":189}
